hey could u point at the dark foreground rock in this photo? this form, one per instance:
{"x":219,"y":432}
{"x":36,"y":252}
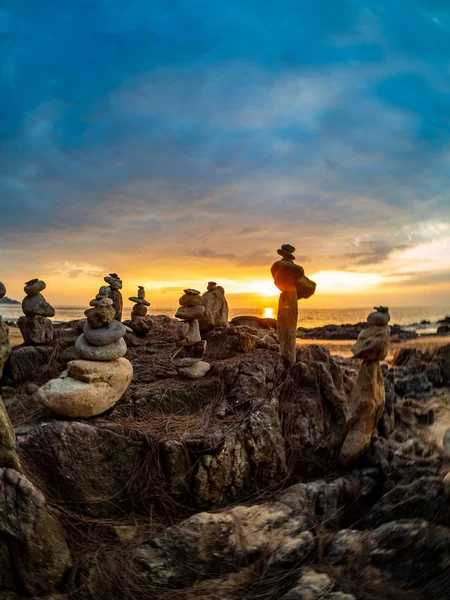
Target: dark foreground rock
{"x":350,"y":332}
{"x":34,"y":556}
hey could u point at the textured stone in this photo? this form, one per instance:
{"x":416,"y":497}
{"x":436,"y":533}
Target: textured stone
{"x":100,"y":315}
{"x":36,"y":330}
{"x":34,"y":287}
{"x":287,"y":324}
{"x":139,"y":310}
{"x":190,"y":300}
{"x":193,"y":334}
{"x":189,"y":313}
{"x":34,"y":554}
{"x":5,"y":345}
{"x":107,"y":334}
{"x":8,"y":455}
{"x":379,"y":319}
{"x":139,"y":300}
{"x":90,"y":389}
{"x":37,"y":305}
{"x":372,"y":344}
{"x":216,"y":309}
{"x":189,"y":355}
{"x":191,"y":292}
{"x":110,"y":352}
{"x":198,"y":369}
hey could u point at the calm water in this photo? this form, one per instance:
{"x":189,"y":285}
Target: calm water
{"x":410,"y":316}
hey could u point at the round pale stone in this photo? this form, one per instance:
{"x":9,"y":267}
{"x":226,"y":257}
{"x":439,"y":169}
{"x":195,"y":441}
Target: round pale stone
{"x":89,"y":390}
{"x":102,"y":336}
{"x":195,"y":371}
{"x":110,"y":352}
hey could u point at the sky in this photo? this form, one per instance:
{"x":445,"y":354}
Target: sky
{"x":175,"y":142}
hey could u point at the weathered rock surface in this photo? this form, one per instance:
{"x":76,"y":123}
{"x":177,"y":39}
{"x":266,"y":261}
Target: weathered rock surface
{"x":34,"y":556}
{"x":5,"y":345}
{"x":254,"y":322}
{"x":231,"y":341}
{"x":435,"y":365}
{"x":189,"y":313}
{"x":8,"y":454}
{"x":350,"y":332}
{"x":33,"y":363}
{"x":37,"y":305}
{"x":216,"y":309}
{"x":111,"y":351}
{"x":313,"y":400}
{"x":85,"y":466}
{"x":195,"y":371}
{"x":90,"y":389}
{"x":208,"y":546}
{"x":36,"y":330}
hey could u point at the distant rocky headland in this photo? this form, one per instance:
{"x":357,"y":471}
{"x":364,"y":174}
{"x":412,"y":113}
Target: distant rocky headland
{"x":7,"y":300}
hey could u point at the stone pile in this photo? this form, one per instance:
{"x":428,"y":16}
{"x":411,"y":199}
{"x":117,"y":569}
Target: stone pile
{"x":216,"y":308}
{"x":294,"y":285}
{"x":188,"y":360}
{"x":368,"y":396}
{"x":140,"y":324}
{"x":115,"y":285}
{"x":103,"y":292}
{"x":35,"y":326}
{"x":5,"y":344}
{"x":96,"y":381}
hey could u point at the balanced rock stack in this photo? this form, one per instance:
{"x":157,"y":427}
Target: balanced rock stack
{"x":188,"y":360}
{"x":115,"y":285}
{"x":216,"y":308}
{"x":5,"y":344}
{"x":140,"y":324}
{"x":35,"y":326}
{"x":98,"y":380}
{"x":367,"y":400}
{"x":103,"y":292}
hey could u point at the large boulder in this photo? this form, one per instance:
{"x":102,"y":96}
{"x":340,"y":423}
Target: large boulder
{"x":216,"y":309}
{"x":85,"y":466}
{"x":8,"y":454}
{"x":313,"y":400}
{"x":231,"y":341}
{"x":5,"y":345}
{"x":91,"y":388}
{"x":34,"y":556}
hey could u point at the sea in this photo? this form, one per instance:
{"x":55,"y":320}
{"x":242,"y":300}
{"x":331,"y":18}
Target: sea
{"x":421,"y":319}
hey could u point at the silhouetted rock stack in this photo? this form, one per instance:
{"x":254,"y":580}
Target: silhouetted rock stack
{"x":188,"y":360}
{"x":115,"y":285}
{"x":368,"y":396}
{"x":5,"y":344}
{"x":290,"y":279}
{"x":35,"y":326}
{"x":216,"y":308}
{"x":103,"y":292}
{"x":97,"y":381}
{"x":140,"y":323}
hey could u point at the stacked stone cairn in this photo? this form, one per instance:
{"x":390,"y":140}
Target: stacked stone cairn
{"x":140,"y":324}
{"x":115,"y":285}
{"x":35,"y":326}
{"x":95,"y":382}
{"x":368,"y":396}
{"x":216,"y":308}
{"x":188,"y":360}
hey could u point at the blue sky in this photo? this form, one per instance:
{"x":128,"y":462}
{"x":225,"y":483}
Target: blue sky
{"x":198,"y":136}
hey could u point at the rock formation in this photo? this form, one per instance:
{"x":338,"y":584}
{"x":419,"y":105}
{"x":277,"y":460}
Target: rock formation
{"x":103,"y":292}
{"x":290,"y":279}
{"x":5,"y":344}
{"x":8,"y":455}
{"x":35,"y":326}
{"x":115,"y":285}
{"x":368,"y":395}
{"x":140,"y":324}
{"x":96,"y":381}
{"x":216,"y":308}
{"x":188,"y":359}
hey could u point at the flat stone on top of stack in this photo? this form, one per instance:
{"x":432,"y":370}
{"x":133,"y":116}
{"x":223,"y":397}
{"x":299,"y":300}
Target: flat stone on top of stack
{"x":35,"y":326}
{"x":191,"y":310}
{"x":96,"y":381}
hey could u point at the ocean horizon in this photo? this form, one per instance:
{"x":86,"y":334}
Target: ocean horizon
{"x":411,"y":317}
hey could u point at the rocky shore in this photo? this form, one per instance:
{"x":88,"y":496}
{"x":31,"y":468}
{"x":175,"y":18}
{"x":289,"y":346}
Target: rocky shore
{"x":229,"y":485}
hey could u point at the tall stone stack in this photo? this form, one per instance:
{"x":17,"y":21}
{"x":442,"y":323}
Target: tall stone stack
{"x":140,"y":324}
{"x":368,"y":396}
{"x":188,"y":360}
{"x":216,"y":308}
{"x":103,"y":292}
{"x":115,"y":285}
{"x":95,"y":382}
{"x":294,"y":285}
{"x":5,"y":344}
{"x":35,"y":326}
